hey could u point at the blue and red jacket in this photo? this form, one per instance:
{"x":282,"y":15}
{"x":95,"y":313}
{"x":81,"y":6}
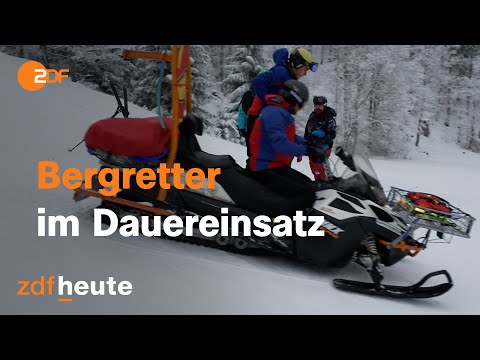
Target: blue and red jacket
{"x":273,"y":141}
{"x":270,"y":82}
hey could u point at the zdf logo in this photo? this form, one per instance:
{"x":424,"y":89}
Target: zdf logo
{"x":33,"y":76}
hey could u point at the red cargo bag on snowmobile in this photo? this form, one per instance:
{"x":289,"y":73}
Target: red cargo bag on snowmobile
{"x":428,"y":201}
{"x":130,"y":136}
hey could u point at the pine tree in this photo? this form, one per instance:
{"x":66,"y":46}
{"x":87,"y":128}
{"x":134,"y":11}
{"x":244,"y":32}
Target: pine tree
{"x":201,"y":63}
{"x":464,"y":94}
{"x":245,"y":63}
{"x":384,"y":95}
{"x":145,"y":80}
{"x":370,"y":99}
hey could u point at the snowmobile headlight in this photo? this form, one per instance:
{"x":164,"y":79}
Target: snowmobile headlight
{"x":380,"y":197}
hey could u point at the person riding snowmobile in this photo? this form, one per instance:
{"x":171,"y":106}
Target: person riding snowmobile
{"x":274,"y":143}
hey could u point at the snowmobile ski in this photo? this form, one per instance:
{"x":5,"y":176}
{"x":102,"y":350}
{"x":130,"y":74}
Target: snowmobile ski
{"x":395,"y":291}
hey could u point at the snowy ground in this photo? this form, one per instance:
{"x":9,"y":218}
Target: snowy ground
{"x":176,"y":278}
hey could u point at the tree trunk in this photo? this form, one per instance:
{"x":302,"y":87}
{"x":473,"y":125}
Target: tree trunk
{"x":322,"y":54}
{"x":448,"y":111}
{"x":221,"y":61}
{"x":71,"y":64}
{"x":43,"y":52}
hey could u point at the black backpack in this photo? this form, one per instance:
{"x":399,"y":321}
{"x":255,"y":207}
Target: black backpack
{"x":247,"y":99}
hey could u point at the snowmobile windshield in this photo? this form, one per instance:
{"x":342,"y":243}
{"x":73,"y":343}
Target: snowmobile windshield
{"x":364,"y":182}
{"x":365,"y":168}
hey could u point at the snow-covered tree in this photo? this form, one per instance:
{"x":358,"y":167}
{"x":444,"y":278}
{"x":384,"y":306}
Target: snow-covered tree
{"x":464,"y":94}
{"x":202,"y":81}
{"x":387,"y":97}
{"x":243,"y":66}
{"x":245,"y":63}
{"x":146,"y":77}
{"x":372,"y":98}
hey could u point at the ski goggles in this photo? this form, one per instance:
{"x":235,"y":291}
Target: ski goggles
{"x":312,"y":66}
{"x":297,"y":97}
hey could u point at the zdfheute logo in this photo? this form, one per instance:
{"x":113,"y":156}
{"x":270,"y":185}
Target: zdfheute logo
{"x":65,"y":289}
{"x":33,"y":76}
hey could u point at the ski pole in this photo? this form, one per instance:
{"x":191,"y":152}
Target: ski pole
{"x":76,"y":146}
{"x":120,"y":105}
{"x":125,"y":101}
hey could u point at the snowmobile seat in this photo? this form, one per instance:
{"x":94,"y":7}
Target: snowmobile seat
{"x":207,"y":160}
{"x":196,"y":122}
{"x":251,"y":195}
{"x":189,"y":151}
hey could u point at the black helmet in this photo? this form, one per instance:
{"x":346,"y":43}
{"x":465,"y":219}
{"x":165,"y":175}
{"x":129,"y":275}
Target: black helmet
{"x":294,"y":92}
{"x":319,"y":100}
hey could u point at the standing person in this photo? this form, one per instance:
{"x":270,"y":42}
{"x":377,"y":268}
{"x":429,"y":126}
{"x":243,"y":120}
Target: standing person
{"x":320,"y":131}
{"x":287,"y":67}
{"x":274,"y":143}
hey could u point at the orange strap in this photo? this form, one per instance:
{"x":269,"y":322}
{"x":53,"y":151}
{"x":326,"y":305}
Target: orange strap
{"x":403,"y":246}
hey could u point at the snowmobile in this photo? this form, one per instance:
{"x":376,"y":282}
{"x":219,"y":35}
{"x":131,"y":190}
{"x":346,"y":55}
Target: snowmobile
{"x":360,"y":223}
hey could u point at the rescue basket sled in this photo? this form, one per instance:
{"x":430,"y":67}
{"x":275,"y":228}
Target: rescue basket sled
{"x":422,"y":210}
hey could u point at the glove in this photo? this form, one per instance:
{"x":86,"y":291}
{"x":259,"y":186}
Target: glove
{"x":243,"y":132}
{"x":317,"y":155}
{"x":319,"y":133}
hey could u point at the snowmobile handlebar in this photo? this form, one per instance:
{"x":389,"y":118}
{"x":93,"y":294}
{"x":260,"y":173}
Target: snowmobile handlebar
{"x":345,"y":157}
